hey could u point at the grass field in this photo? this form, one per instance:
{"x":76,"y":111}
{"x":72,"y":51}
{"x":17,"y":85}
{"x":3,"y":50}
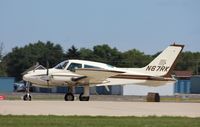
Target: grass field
{"x":99,"y":121}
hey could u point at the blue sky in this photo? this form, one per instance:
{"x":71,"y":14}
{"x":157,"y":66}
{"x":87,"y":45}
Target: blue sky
{"x":147,"y":25}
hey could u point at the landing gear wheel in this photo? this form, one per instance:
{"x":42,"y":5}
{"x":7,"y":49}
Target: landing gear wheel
{"x":84,"y":98}
{"x":27,"y":97}
{"x":69,"y":97}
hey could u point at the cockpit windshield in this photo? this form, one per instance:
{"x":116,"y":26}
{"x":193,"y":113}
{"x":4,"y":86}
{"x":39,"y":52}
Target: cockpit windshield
{"x":61,"y":65}
{"x":110,"y":66}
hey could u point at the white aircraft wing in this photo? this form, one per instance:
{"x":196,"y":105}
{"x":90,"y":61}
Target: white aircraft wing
{"x":94,"y":76}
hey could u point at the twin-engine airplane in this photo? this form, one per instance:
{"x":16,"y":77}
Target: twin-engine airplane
{"x":84,"y":73}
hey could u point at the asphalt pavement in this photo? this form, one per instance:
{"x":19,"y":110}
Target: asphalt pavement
{"x":99,"y":108}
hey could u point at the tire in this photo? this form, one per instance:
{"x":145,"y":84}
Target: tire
{"x":83,"y":98}
{"x":69,"y":97}
{"x":27,"y":97}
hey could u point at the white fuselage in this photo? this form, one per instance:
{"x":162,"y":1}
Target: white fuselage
{"x":63,"y":73}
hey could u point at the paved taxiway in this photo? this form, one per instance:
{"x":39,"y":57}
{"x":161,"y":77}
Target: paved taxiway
{"x":94,"y":108}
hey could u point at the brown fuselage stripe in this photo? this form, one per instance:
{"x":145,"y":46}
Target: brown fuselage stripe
{"x":141,"y":77}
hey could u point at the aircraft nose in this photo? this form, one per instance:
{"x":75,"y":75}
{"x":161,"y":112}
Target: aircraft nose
{"x":26,"y":77}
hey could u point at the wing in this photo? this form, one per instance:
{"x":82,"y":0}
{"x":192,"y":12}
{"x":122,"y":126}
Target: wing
{"x":94,"y":76}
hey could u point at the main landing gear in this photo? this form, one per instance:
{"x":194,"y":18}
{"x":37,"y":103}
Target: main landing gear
{"x":85,"y":96}
{"x":69,"y":96}
{"x":27,"y":96}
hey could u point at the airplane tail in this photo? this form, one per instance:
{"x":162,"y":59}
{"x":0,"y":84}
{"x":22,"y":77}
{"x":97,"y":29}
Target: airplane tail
{"x":165,"y":62}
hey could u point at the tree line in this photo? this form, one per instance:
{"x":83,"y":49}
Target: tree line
{"x":21,"y":58}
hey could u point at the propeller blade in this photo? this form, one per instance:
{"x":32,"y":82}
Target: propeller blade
{"x":47,"y":67}
{"x":48,"y":75}
{"x":107,"y":88}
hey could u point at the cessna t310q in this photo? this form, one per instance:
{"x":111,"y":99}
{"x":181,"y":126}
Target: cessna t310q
{"x":84,"y":73}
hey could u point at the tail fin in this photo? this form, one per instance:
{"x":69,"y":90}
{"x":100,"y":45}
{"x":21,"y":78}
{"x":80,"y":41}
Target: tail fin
{"x":164,"y":63}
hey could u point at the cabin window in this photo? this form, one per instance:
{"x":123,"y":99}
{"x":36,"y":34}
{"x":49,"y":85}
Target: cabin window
{"x":89,"y":66}
{"x":74,"y":66}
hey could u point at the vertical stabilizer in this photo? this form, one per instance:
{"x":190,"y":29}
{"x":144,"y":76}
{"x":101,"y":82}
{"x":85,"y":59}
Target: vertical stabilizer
{"x":165,"y":62}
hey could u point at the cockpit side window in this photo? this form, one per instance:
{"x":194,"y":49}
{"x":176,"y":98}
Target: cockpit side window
{"x":89,"y":66}
{"x":61,"y":65}
{"x":74,"y":66}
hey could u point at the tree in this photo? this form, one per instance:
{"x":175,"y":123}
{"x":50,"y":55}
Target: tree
{"x":189,"y":61}
{"x":87,"y":54}
{"x":2,"y":64}
{"x":73,"y":53}
{"x":22,"y":58}
{"x":135,"y":58}
{"x":1,"y":51}
{"x":106,"y":54}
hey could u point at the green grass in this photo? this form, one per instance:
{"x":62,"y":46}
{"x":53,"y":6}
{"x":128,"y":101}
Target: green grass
{"x":179,"y":99}
{"x":99,"y":121}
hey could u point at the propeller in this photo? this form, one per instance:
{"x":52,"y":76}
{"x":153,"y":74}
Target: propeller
{"x":47,"y":63}
{"x":47,"y":66}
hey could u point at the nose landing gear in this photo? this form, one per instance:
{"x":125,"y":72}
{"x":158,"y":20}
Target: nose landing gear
{"x":27,"y":96}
